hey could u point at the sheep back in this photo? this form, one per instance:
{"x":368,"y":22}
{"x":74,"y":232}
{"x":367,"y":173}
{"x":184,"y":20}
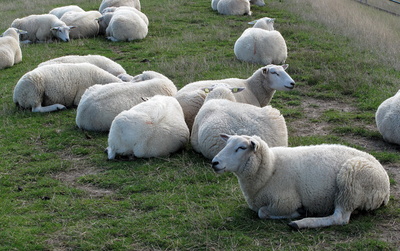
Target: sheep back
{"x":153,"y":128}
{"x":117,"y":3}
{"x":387,"y":119}
{"x":260,"y":46}
{"x":98,"y":60}
{"x":234,"y":7}
{"x":224,"y":116}
{"x":60,"y":11}
{"x":126,"y":25}
{"x":85,"y":23}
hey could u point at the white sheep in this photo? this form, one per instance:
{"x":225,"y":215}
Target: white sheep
{"x":85,"y":22}
{"x":42,"y":28}
{"x":214,"y":3}
{"x":154,"y":128}
{"x":259,"y":89}
{"x":100,"y":104}
{"x":10,"y":50}
{"x":108,"y":13}
{"x":117,"y":3}
{"x":126,"y":25}
{"x":98,"y":60}
{"x":288,"y":182}
{"x":234,"y":7}
{"x":388,"y":119}
{"x":60,"y":11}
{"x":261,"y":44}
{"x":57,"y":86}
{"x":221,"y":114}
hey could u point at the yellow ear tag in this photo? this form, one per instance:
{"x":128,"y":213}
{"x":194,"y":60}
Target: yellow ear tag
{"x":206,"y":90}
{"x":235,"y":90}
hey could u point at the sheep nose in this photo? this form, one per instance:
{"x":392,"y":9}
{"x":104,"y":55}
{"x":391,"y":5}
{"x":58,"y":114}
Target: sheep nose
{"x":292,"y":84}
{"x":215,"y":164}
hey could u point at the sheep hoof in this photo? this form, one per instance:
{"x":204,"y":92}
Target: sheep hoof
{"x":293,"y":225}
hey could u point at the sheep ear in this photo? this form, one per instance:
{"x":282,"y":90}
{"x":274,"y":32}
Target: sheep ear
{"x":265,"y":70}
{"x":254,"y":145}
{"x":237,"y":89}
{"x":224,"y":136}
{"x":253,"y":22}
{"x":285,"y":66}
{"x":71,"y":27}
{"x":271,"y":20}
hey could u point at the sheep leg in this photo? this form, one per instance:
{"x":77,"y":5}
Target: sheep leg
{"x":110,"y":153}
{"x":339,"y":217}
{"x":50,"y":108}
{"x":263,"y":213}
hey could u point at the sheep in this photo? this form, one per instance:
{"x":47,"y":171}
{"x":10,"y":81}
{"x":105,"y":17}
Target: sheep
{"x":259,"y":89}
{"x":387,"y":119}
{"x":261,"y":44}
{"x":214,"y":3}
{"x":154,"y":128}
{"x":117,"y":3}
{"x":126,"y":25}
{"x":10,"y":50}
{"x":100,"y":104}
{"x":221,"y":114}
{"x":327,"y":182}
{"x":41,"y":28}
{"x":58,"y":86}
{"x":108,"y":13}
{"x":85,"y":22}
{"x":98,"y":60}
{"x":60,"y":11}
{"x":234,"y":7}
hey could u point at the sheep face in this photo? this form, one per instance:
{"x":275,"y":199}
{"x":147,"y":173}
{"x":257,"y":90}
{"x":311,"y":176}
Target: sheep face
{"x":62,"y":32}
{"x":238,"y":150}
{"x":277,"y":77}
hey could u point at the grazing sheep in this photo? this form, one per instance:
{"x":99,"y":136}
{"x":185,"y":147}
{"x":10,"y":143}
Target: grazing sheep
{"x":259,"y":89}
{"x":41,"y":28}
{"x":117,"y":3}
{"x":100,"y":104}
{"x":287,"y":182}
{"x":10,"y":51}
{"x":388,"y":119}
{"x":108,"y":13}
{"x":221,"y":114}
{"x":98,"y":60}
{"x":85,"y":22}
{"x":261,"y":44}
{"x":126,"y":25}
{"x":234,"y":7}
{"x":57,"y":86}
{"x":60,"y":11}
{"x":154,"y":128}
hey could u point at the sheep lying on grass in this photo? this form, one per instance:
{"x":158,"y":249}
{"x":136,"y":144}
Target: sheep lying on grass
{"x":100,"y":104}
{"x":117,"y":3}
{"x":261,"y":44}
{"x":154,"y":128}
{"x":259,"y":89}
{"x":126,"y":25}
{"x":221,"y":114}
{"x":98,"y":60}
{"x":42,"y":28}
{"x":388,"y":119}
{"x":214,"y":3}
{"x":234,"y":7}
{"x":10,"y":51}
{"x":85,"y":22}
{"x":54,"y":87}
{"x":60,"y":11}
{"x":108,"y":13}
{"x":322,"y":180}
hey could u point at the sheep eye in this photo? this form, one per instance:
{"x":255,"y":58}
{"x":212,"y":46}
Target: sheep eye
{"x":241,"y":148}
{"x":273,"y":72}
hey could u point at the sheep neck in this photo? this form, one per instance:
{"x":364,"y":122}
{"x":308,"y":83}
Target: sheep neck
{"x":255,"y":174}
{"x":259,"y":86}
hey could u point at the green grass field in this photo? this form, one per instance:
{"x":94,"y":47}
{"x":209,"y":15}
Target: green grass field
{"x":59,"y":192}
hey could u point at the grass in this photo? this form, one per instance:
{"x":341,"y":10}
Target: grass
{"x":58,"y":192}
